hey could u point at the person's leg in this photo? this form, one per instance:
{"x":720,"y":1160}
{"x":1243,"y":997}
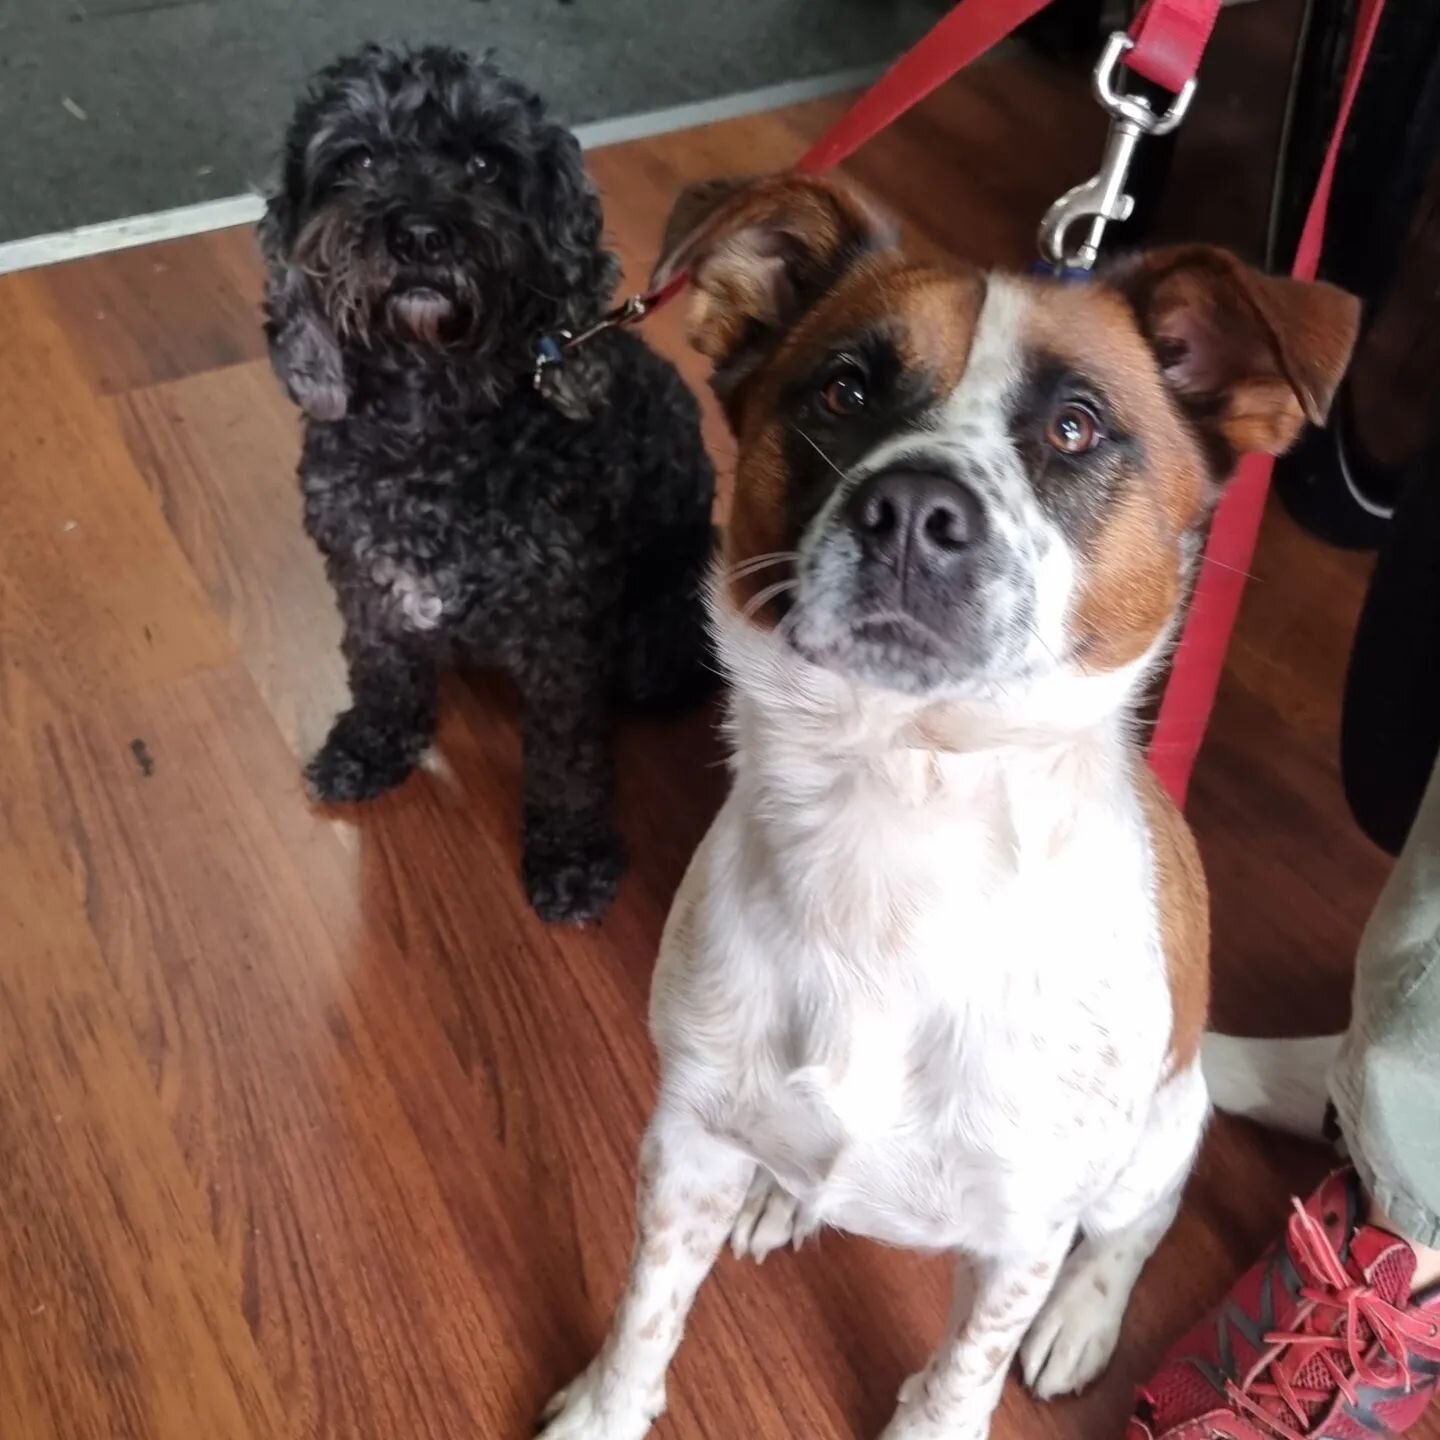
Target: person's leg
{"x":1386,"y":1081}
{"x":1384,"y":1072}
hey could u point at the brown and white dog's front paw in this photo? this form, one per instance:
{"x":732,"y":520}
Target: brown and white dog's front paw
{"x":1075,"y":1335}
{"x":923,"y":1413}
{"x":914,"y":1419}
{"x":770,"y":1219}
{"x":594,"y":1406}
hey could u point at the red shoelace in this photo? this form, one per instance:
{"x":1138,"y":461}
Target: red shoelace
{"x":1363,"y":1318}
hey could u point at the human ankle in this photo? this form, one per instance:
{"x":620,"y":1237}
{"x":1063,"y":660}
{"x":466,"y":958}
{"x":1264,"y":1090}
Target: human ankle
{"x":1427,"y":1268}
{"x":1427,"y":1257}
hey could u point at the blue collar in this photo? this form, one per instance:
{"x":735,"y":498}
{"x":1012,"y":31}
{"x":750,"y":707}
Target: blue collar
{"x":1065,"y":274}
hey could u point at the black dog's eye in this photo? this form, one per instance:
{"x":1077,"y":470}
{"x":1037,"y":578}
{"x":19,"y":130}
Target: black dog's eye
{"x":484,"y":166}
{"x":356,"y":161}
{"x":1073,"y":430}
{"x":844,"y":392}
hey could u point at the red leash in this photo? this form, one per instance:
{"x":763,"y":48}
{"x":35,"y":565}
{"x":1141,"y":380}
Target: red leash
{"x":965,"y":34}
{"x":1189,"y":697}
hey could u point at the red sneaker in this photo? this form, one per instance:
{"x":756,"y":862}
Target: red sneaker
{"x":1322,"y":1340}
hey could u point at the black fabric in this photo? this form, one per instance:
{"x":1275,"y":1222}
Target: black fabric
{"x":1389,"y":147}
{"x":1390,"y":733}
{"x":1386,"y":157}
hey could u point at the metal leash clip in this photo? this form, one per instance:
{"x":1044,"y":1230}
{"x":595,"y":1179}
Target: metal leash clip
{"x":1104,"y":198}
{"x":551,"y":350}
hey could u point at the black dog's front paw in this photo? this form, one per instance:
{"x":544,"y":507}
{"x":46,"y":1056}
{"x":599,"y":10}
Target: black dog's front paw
{"x":360,"y":760}
{"x":572,"y":868}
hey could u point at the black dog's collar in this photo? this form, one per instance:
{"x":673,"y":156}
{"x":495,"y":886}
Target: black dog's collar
{"x":551,"y":351}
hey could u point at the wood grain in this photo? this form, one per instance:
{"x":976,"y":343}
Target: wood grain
{"x":307,"y":1127}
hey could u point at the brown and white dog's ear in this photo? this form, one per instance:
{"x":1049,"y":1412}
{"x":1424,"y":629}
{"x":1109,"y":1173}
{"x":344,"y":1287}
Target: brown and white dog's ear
{"x":1250,"y":356}
{"x":759,"y":253}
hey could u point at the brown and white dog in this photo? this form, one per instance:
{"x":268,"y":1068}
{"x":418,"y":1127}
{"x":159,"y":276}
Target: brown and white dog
{"x":938,"y":973}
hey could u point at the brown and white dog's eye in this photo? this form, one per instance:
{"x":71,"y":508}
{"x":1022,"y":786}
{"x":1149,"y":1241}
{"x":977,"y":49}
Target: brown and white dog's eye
{"x":844,"y":392}
{"x":1073,"y":430}
{"x":484,"y":166}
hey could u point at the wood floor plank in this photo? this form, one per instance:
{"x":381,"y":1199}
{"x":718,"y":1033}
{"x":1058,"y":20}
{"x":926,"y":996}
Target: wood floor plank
{"x":220,"y":449}
{"x":350,"y":1270}
{"x":158,"y":312}
{"x":120,"y":1320}
{"x":97,"y":595}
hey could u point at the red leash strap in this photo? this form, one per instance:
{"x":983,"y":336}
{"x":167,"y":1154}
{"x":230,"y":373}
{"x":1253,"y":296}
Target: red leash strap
{"x":1169,"y":38}
{"x":965,"y":34}
{"x":1229,"y":552}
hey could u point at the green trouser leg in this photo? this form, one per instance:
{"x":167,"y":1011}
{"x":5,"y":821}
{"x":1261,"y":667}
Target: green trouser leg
{"x":1386,"y":1081}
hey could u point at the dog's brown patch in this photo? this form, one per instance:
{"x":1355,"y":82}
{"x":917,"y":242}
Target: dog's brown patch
{"x":721,"y":1205}
{"x":658,"y":1248}
{"x":928,"y":314}
{"x":1132,"y":567}
{"x":935,"y":313}
{"x":1184,"y":905}
{"x":1131,"y":586}
{"x":757,"y":524}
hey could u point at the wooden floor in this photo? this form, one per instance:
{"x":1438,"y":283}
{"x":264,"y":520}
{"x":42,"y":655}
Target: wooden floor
{"x":307,"y":1127}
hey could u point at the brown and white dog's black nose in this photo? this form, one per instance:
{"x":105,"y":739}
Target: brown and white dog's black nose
{"x":916,"y":519}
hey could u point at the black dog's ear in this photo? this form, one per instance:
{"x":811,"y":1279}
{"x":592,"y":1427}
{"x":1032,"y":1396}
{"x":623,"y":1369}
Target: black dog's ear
{"x":303,"y":350}
{"x":574,"y":223}
{"x":761,"y":252}
{"x":584,"y":272}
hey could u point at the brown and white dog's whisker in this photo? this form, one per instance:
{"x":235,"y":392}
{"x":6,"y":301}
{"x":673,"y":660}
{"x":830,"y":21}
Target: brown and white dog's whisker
{"x":758,"y":602}
{"x":1221,"y":565}
{"x":818,"y":449}
{"x":756,"y":563}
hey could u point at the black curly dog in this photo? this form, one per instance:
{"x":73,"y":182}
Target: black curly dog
{"x":430,"y":226}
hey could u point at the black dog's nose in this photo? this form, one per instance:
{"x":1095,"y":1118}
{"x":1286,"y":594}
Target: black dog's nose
{"x":910,"y":517}
{"x":417,"y":239}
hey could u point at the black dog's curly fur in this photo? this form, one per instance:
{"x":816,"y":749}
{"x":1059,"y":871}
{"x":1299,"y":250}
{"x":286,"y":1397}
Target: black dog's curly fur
{"x":430,"y":226}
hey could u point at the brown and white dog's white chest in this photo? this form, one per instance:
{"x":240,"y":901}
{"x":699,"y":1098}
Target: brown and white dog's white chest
{"x":937,"y":1019}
